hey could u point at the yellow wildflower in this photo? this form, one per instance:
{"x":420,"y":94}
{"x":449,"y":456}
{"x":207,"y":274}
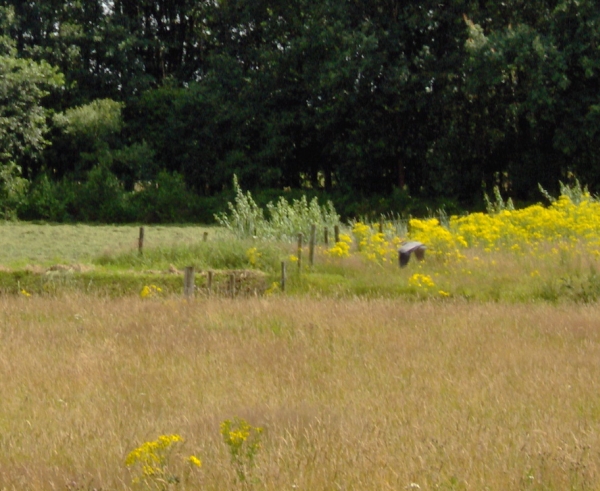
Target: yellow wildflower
{"x":195,"y":461}
{"x":150,"y":291}
{"x":421,"y":281}
{"x":274,"y":288}
{"x":253,"y":256}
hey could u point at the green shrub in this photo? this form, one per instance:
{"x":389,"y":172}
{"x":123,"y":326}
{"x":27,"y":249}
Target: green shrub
{"x":13,"y":190}
{"x":101,"y":198}
{"x":164,"y":200}
{"x":285,"y":220}
{"x":47,"y":200}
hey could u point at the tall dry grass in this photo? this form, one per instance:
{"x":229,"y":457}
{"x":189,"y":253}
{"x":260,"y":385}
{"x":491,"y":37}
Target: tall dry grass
{"x":353,"y":394}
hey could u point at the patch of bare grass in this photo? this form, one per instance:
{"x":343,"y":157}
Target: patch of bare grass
{"x":353,"y":394}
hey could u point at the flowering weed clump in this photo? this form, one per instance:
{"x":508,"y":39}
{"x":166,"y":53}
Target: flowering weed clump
{"x":424,"y":284}
{"x":160,"y":464}
{"x":421,"y":281}
{"x":253,"y":256}
{"x":341,"y":247}
{"x":377,"y":247}
{"x":243,"y":441}
{"x":274,"y":288}
{"x":150,"y":291}
{"x":564,"y":224}
{"x":151,"y":462}
{"x":545,"y":252}
{"x":440,"y":241}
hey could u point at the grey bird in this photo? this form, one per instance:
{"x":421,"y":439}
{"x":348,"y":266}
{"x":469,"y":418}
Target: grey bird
{"x":407,"y":249}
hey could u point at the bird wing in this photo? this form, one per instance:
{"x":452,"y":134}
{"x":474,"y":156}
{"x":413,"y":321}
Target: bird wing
{"x":404,"y":257}
{"x":410,"y":246}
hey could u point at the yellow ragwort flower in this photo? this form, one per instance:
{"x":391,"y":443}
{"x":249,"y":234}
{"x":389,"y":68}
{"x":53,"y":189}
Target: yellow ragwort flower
{"x":195,"y":461}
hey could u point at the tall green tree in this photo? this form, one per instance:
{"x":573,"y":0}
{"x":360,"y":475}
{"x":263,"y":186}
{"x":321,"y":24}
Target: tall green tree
{"x":439,"y":98}
{"x":165,"y":37}
{"x":532,"y":98}
{"x":23,"y":85}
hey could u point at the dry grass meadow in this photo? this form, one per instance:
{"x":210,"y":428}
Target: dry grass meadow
{"x":353,"y":394}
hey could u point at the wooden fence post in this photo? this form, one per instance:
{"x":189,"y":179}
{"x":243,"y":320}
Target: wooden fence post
{"x":232,"y":285}
{"x":205,"y":236}
{"x":209,"y":283}
{"x":326,"y":236}
{"x":141,"y":242}
{"x":283,"y":278}
{"x":299,"y":253}
{"x":311,"y":245}
{"x":188,"y":282}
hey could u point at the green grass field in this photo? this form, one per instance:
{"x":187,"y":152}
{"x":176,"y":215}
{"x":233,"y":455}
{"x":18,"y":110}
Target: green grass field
{"x":49,"y":259}
{"x":48,"y":244}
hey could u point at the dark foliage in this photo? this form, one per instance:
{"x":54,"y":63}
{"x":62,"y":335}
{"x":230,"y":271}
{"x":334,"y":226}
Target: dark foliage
{"x":383,"y":106}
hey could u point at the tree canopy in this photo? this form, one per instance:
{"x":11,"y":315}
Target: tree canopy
{"x":439,"y":100}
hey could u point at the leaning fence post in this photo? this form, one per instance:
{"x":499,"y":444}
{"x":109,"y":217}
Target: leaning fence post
{"x":188,"y":282}
{"x":311,"y":245}
{"x":141,"y":242}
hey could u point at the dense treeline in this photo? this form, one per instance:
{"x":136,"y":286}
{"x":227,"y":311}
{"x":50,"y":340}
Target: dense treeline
{"x":122,"y":109}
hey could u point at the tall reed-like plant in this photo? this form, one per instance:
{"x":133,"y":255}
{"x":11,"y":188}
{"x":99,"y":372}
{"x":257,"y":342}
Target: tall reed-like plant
{"x":498,"y":205}
{"x":575,"y":192}
{"x":288,"y":219}
{"x":245,"y":217}
{"x":284,"y":220}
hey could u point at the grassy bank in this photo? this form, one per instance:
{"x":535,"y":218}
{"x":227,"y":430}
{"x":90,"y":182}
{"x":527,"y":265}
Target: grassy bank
{"x":535,"y":254}
{"x":553,"y":273}
{"x":352,"y":394}
{"x":49,"y":259}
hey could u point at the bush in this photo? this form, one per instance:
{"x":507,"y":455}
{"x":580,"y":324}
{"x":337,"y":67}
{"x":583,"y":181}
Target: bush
{"x":47,"y":200}
{"x":285,"y":219}
{"x":165,"y":200}
{"x":13,"y":190}
{"x":101,"y":198}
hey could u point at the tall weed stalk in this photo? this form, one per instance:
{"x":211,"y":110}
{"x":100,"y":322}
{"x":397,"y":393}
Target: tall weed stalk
{"x":284,"y":220}
{"x":575,"y":192}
